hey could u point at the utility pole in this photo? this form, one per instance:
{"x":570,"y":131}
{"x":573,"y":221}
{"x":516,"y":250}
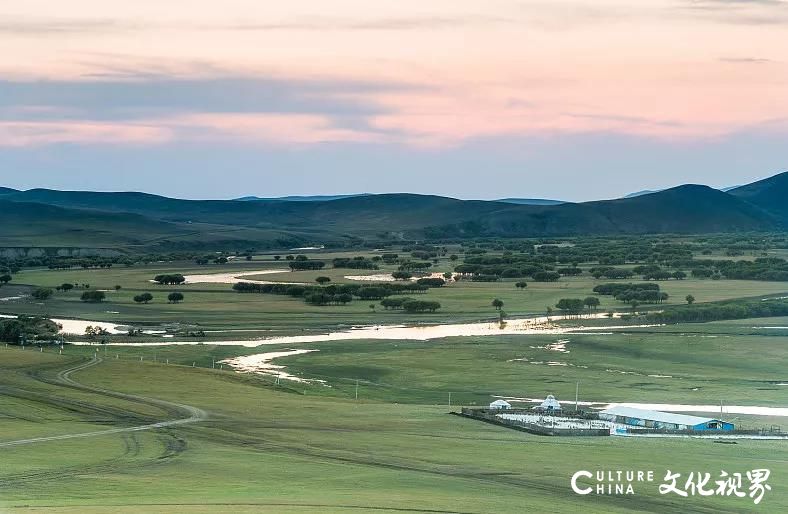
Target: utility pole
{"x":577,"y":394}
{"x":356,"y":389}
{"x":450,"y":399}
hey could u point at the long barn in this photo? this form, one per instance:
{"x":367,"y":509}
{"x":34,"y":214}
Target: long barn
{"x":662,"y":420}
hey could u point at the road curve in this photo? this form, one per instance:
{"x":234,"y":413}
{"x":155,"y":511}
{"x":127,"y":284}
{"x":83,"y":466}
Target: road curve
{"x":195,"y":415}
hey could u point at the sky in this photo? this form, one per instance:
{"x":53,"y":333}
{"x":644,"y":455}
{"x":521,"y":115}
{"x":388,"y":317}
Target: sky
{"x":566,"y":99}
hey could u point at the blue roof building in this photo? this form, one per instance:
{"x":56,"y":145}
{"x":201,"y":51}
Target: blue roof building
{"x":662,"y":420}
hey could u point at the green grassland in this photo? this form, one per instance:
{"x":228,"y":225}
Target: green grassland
{"x":264,"y":450}
{"x":310,"y":447}
{"x":685,"y":365}
{"x":217,"y":307}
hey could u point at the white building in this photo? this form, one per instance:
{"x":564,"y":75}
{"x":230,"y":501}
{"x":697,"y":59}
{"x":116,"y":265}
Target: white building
{"x":549,"y":405}
{"x":500,"y":405}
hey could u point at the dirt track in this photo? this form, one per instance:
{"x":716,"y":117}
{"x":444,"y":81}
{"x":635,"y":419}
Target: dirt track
{"x":64,"y":378}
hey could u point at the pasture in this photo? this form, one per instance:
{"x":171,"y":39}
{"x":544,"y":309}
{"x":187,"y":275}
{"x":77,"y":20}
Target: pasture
{"x":313,"y":447}
{"x":212,"y":306}
{"x":266,"y":450}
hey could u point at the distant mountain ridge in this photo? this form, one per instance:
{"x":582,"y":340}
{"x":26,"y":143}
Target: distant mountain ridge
{"x":308,"y":198}
{"x":530,"y":201}
{"x":641,"y":193}
{"x":123,"y":217}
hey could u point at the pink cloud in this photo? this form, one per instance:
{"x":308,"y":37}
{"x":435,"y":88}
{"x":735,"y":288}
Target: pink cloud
{"x":275,"y":129}
{"x":35,"y":133}
{"x":278,"y":129}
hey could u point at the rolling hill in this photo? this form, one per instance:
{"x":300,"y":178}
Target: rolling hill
{"x":31,"y":224}
{"x":683,"y":209}
{"x":80,"y":217}
{"x":770,"y":194}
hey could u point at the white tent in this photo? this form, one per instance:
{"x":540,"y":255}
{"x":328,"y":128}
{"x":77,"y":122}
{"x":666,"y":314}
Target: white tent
{"x":500,"y":404}
{"x":550,"y":404}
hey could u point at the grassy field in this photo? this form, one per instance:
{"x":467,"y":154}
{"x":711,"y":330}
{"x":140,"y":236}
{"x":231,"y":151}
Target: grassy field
{"x":217,"y":307}
{"x":690,"y":364}
{"x":312,"y":447}
{"x":273,"y":451}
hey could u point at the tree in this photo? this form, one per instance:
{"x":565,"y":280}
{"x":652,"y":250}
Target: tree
{"x":679,"y":275}
{"x":5,"y":278}
{"x":521,"y":285}
{"x":42,"y":293}
{"x":221,"y":260}
{"x":301,"y":265}
{"x":175,"y":297}
{"x":170,"y":279}
{"x":416,"y":306}
{"x":277,"y":257}
{"x":592,"y":302}
{"x":143,"y":298}
{"x":66,"y":287}
{"x":498,"y":304}
{"x":118,"y":288}
{"x":690,"y":299}
{"x":546,"y":276}
{"x":571,"y":305}
{"x":401,"y":275}
{"x":448,"y":275}
{"x":322,"y":280}
{"x":93,"y":296}
{"x":21,"y":329}
{"x":453,"y":258}
{"x":431,"y":282}
{"x":92,"y":331}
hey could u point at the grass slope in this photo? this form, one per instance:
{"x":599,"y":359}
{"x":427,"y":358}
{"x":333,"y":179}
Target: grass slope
{"x":270,"y":451}
{"x":26,"y":223}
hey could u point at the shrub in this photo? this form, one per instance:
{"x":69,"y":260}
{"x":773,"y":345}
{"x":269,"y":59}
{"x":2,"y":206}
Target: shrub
{"x":175,"y":297}
{"x":42,"y":293}
{"x":431,"y":282}
{"x":546,"y":276}
{"x":418,"y":306}
{"x":143,"y":298}
{"x":93,"y":296}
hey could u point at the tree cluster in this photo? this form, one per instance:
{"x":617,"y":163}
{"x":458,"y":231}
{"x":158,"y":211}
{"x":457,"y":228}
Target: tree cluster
{"x":354,"y":263}
{"x":173,"y":279}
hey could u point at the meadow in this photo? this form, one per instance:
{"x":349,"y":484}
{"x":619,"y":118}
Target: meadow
{"x":217,"y":307}
{"x":264,"y":450}
{"x":370,"y":428}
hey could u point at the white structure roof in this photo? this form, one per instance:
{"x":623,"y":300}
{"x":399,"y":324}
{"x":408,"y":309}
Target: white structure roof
{"x":500,"y":403}
{"x":653,"y":415}
{"x":550,"y":403}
